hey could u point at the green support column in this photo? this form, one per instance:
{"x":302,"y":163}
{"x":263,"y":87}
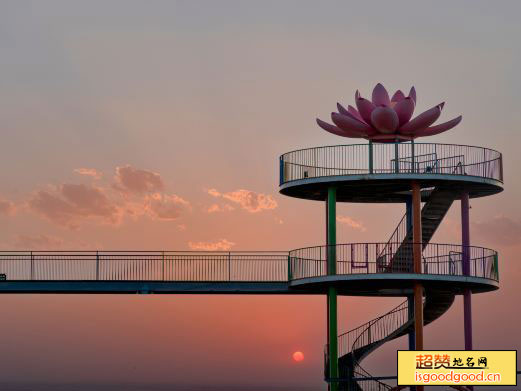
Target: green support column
{"x":331,"y":230}
{"x":332,"y":328}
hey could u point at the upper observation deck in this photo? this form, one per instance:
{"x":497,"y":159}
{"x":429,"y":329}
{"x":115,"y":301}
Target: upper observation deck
{"x":383,"y":172}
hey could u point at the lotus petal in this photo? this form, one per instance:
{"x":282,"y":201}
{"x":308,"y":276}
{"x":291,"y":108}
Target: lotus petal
{"x":422,"y":121}
{"x":380,"y":96}
{"x":336,"y":130}
{"x":357,"y":95}
{"x":355,"y":113}
{"x":365,"y":107}
{"x":331,"y":128}
{"x":384,"y":119}
{"x":341,"y":109}
{"x":412,"y":94}
{"x":398,"y":96}
{"x":431,"y":131}
{"x":404,"y":109}
{"x":351,"y":125}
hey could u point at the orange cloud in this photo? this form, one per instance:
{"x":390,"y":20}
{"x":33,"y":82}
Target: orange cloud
{"x":68,"y":203}
{"x":214,"y":208}
{"x":351,"y":222}
{"x":214,"y":192}
{"x":132,"y":195}
{"x":7,"y":208}
{"x":248,"y":200}
{"x":135,"y":181}
{"x":220,"y":245}
{"x":92,"y":172}
{"x":165,"y":207}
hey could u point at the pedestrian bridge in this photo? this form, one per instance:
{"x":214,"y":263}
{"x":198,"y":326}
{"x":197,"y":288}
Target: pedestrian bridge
{"x":362,"y":269}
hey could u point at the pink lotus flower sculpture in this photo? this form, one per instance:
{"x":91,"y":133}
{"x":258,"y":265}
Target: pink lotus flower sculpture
{"x":385,"y":119}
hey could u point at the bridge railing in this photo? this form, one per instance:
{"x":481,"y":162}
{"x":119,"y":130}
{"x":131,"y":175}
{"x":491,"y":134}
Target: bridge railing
{"x":144,"y":266}
{"x":368,"y":258}
{"x":354,"y":258}
{"x":391,"y":158}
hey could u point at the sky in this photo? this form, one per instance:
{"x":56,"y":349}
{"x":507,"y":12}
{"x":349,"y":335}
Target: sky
{"x":158,"y":125}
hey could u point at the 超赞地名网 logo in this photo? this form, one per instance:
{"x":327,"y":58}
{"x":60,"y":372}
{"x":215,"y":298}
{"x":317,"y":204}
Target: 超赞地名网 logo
{"x":429,"y":361}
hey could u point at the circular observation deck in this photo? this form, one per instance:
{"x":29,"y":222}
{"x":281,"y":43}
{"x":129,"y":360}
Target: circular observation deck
{"x":383,"y":172}
{"x":386,"y":269}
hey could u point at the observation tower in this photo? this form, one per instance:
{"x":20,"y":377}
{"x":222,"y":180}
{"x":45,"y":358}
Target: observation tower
{"x":427,"y":178}
{"x":391,"y":168}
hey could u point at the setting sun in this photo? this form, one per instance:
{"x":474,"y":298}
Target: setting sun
{"x":298,"y":356}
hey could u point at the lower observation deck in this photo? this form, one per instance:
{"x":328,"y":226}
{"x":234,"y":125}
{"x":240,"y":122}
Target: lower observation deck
{"x":383,"y":172}
{"x":367,"y":269}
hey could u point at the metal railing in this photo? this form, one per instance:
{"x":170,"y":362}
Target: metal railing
{"x":373,"y":258}
{"x":369,"y":333}
{"x":374,"y":330}
{"x":367,"y":382}
{"x":354,"y":258}
{"x":398,"y":236}
{"x":144,"y":266}
{"x":418,"y":158}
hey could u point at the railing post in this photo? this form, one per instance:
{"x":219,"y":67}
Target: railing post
{"x":484,"y":162}
{"x":281,"y":171}
{"x":396,"y":157}
{"x":376,"y":256}
{"x":321,"y":262}
{"x":32,"y":266}
{"x":97,"y":265}
{"x":229,"y":266}
{"x":438,"y":257}
{"x":370,"y":157}
{"x":289,"y":268}
{"x":367,"y":257}
{"x":413,"y":157}
{"x":163,"y":266}
{"x":501,"y":167}
{"x":496,"y":266}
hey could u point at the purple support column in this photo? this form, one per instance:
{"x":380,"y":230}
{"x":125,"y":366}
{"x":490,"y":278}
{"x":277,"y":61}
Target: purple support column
{"x":465,"y":242}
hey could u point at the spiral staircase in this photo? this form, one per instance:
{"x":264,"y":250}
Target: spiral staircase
{"x":363,"y":340}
